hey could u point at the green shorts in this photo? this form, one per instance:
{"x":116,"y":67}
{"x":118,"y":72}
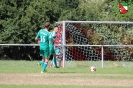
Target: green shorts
{"x":54,"y":51}
{"x":44,"y":53}
{"x":51,"y":50}
{"x":57,"y":51}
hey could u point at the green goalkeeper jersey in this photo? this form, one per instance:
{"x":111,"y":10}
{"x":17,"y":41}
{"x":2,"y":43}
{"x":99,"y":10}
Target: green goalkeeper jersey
{"x":44,"y":39}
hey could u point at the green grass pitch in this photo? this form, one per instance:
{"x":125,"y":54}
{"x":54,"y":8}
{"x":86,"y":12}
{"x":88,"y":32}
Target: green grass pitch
{"x":13,"y":74}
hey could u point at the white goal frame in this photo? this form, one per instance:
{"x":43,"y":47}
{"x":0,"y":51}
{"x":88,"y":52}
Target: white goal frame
{"x":90,"y":22}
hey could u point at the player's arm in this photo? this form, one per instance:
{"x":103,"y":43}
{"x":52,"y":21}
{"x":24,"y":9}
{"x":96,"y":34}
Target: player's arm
{"x":54,"y":37}
{"x":54,"y":40}
{"x":50,"y":40}
{"x":37,"y":38}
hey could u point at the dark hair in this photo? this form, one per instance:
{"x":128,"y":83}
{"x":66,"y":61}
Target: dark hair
{"x":56,"y":25}
{"x":47,"y":24}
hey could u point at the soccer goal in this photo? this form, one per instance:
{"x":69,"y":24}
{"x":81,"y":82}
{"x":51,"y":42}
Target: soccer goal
{"x":90,"y":43}
{"x":85,"y":44}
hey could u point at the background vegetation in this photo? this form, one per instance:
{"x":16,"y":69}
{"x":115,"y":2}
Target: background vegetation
{"x":21,"y":20}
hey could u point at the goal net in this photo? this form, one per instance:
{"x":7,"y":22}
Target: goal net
{"x":82,"y":42}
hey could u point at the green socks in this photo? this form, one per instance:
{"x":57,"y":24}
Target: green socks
{"x":52,"y":62}
{"x":44,"y":66}
{"x":55,"y":64}
{"x":41,"y":62}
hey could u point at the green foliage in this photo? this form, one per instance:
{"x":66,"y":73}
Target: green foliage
{"x":21,"y":19}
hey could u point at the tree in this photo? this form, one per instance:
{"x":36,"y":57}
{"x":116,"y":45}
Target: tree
{"x":22,"y":19}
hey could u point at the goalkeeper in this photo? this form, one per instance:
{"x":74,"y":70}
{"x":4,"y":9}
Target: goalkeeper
{"x":51,"y":46}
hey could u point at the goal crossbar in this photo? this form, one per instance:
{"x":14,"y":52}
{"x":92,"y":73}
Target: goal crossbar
{"x":98,"y":22}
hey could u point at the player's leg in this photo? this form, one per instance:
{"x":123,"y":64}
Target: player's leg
{"x":51,"y":63}
{"x":45,"y":64}
{"x":43,"y":59}
{"x":57,"y":52}
{"x":60,"y":59}
{"x":50,"y":51}
{"x":54,"y":60}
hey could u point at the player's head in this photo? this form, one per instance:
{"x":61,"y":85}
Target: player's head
{"x":47,"y":25}
{"x":55,"y":29}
